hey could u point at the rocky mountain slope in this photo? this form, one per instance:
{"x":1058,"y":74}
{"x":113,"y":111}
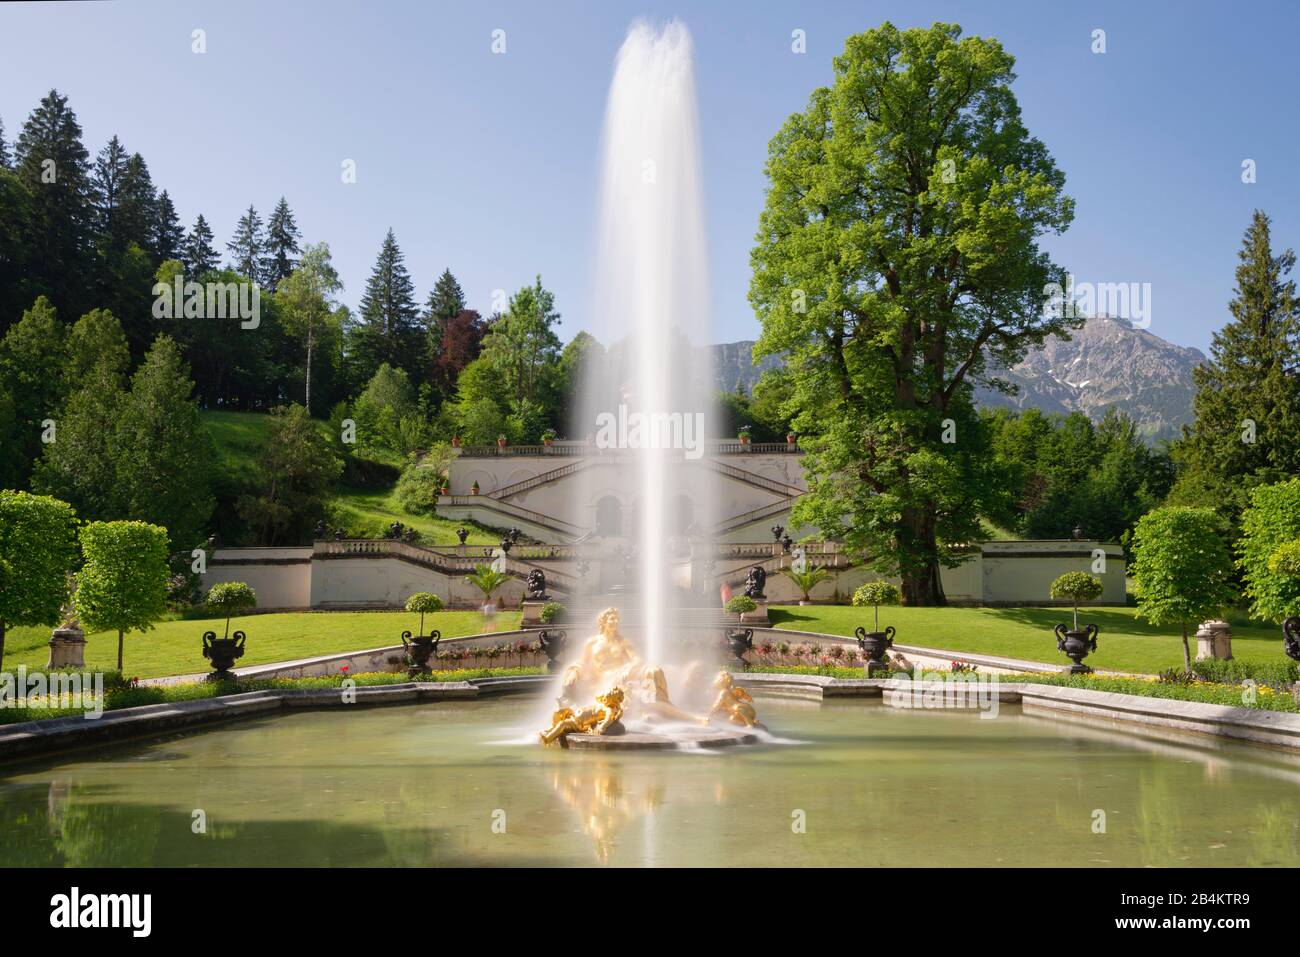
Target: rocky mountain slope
{"x":1106,"y":363}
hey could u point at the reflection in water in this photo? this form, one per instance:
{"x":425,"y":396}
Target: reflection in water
{"x":419,"y":786}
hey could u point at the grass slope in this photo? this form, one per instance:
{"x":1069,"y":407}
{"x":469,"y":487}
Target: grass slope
{"x":175,"y":647}
{"x":1124,"y":644}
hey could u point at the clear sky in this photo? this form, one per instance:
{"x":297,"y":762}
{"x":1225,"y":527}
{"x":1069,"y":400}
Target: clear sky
{"x":487,"y":162}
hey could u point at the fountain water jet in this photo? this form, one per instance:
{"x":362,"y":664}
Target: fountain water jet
{"x":653,"y":305}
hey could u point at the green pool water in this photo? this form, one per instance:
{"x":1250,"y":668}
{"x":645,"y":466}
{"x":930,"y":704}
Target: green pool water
{"x":457,"y":784}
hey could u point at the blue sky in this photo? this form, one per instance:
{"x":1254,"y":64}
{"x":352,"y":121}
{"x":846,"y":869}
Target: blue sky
{"x":487,"y":163}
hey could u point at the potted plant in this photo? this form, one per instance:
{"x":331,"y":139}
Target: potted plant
{"x":501,"y":441}
{"x":740,"y":640}
{"x":455,"y":441}
{"x":473,"y":489}
{"x":228,"y":598}
{"x":744,"y":435}
{"x":421,"y":647}
{"x":790,"y":439}
{"x":1076,"y":643}
{"x":806,"y":580}
{"x":552,"y":612}
{"x":548,"y":438}
{"x":875,"y":644}
{"x":487,"y":580}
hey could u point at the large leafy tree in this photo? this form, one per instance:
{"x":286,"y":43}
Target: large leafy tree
{"x":897,"y":262}
{"x":1181,"y":568}
{"x":38,"y":547}
{"x":1247,"y":427}
{"x":388,"y":327}
{"x":32,"y":374}
{"x":79,"y":468}
{"x":53,"y":167}
{"x":162,"y":454}
{"x":309,"y":311}
{"x":524,"y":348}
{"x":123,"y":585}
{"x":1270,"y":522}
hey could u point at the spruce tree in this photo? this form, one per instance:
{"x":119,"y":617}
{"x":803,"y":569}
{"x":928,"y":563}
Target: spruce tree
{"x":1247,"y":426}
{"x":168,"y":235}
{"x":5,"y":161}
{"x":388,"y":330}
{"x":139,"y":206}
{"x":200,"y":255}
{"x":53,"y":166}
{"x":110,"y":172}
{"x":281,"y":245}
{"x":248,"y":245}
{"x":446,"y":300}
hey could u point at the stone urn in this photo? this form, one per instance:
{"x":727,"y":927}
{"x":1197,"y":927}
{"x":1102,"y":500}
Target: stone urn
{"x":222,"y":652}
{"x":552,"y":643}
{"x":1076,"y":644}
{"x":420,"y":649}
{"x":739,"y":641}
{"x":875,"y":645}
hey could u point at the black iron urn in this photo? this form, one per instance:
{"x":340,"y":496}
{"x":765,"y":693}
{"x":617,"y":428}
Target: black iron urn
{"x":875,"y":644}
{"x":1077,"y":645}
{"x":222,"y":652}
{"x":420,"y":649}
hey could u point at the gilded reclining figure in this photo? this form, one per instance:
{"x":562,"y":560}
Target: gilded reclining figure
{"x":601,"y":718}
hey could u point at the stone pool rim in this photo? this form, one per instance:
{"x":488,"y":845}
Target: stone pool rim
{"x":1277,"y":730}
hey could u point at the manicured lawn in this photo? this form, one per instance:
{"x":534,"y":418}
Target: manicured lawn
{"x":367,"y":513}
{"x":174,"y":647}
{"x":1125,"y":643}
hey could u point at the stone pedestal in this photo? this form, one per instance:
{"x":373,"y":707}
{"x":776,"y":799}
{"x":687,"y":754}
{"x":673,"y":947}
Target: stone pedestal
{"x":758,"y":616}
{"x":67,"y":649}
{"x":533,"y":613}
{"x":1214,"y":640}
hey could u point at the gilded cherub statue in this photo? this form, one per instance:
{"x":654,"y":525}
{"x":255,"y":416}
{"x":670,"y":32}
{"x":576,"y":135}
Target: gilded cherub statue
{"x":734,"y":703}
{"x":602,"y":718}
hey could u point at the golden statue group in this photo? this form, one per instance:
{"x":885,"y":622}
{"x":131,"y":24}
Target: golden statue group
{"x":610,"y":672}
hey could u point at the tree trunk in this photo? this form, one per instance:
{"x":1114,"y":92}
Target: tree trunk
{"x":119,"y":651}
{"x":1187,"y":654}
{"x":921,"y":582}
{"x":311,"y":347}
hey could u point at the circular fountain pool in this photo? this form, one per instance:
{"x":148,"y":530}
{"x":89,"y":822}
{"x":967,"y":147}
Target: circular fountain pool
{"x":839,"y":783}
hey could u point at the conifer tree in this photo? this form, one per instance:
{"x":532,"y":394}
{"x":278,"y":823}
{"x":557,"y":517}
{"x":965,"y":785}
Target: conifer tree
{"x":1247,"y":426}
{"x":200,"y":255}
{"x":248,"y":245}
{"x":5,"y":161}
{"x":388,"y":329}
{"x":53,"y":166}
{"x":281,"y":244}
{"x":168,"y":235}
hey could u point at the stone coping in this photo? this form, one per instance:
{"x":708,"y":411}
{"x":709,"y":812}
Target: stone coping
{"x":1278,"y":729}
{"x":75,"y":731}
